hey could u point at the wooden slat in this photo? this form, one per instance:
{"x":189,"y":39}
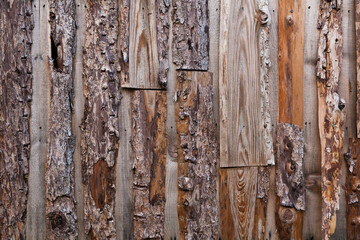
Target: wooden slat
{"x":330,"y":110}
{"x":99,"y":139}
{"x":61,"y":219}
{"x":244,"y":99}
{"x":148,"y":45}
{"x":15,"y":99}
{"x":197,"y":156}
{"x":357,"y":45}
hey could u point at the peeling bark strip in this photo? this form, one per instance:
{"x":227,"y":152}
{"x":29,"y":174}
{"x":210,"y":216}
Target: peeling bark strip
{"x":148,"y":50}
{"x":59,"y":171}
{"x":190,"y":34}
{"x":16,"y":25}
{"x":149,"y":151}
{"x":290,"y":182}
{"x":100,"y":130}
{"x":353,"y":190}
{"x":331,"y":109}
{"x":245,"y":128}
{"x":197,"y":156}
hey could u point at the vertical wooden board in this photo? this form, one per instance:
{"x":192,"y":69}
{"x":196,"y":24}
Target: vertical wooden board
{"x":197,"y":156}
{"x":61,"y":219}
{"x":245,"y":127}
{"x":357,"y":45}
{"x":148,"y":45}
{"x":149,"y":154}
{"x":100,"y":130}
{"x":331,"y":110}
{"x":16,"y":26}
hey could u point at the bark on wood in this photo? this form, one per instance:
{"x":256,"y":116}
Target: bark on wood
{"x":16,"y":25}
{"x":100,"y":125}
{"x":123,"y":39}
{"x":357,"y":38}
{"x":190,"y":45}
{"x":197,"y":156}
{"x":244,"y":84}
{"x":352,"y":158}
{"x":149,"y":153}
{"x":331,"y":109}
{"x":59,"y":170}
{"x":148,"y":46}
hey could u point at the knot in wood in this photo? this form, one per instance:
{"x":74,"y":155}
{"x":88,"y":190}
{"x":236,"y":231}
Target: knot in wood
{"x":287,"y":215}
{"x":264,"y":17}
{"x":57,"y":220}
{"x":290,"y":20}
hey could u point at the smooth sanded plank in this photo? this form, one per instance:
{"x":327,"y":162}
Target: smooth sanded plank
{"x":197,"y":156}
{"x":357,"y":44}
{"x":16,"y":25}
{"x":352,"y":158}
{"x":61,"y":219}
{"x":148,"y":43}
{"x":149,"y":155}
{"x":100,"y":130}
{"x":245,"y":127}
{"x":331,"y":110}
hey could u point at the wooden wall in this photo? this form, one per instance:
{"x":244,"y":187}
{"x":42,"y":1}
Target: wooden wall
{"x":179,"y":119}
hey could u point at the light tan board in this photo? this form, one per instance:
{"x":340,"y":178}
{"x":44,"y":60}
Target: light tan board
{"x":245,"y":127}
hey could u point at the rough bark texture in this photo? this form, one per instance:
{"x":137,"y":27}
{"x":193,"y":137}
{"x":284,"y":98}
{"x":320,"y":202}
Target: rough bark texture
{"x":352,"y":158}
{"x":100,"y":130}
{"x":149,"y":154}
{"x":357,"y":38}
{"x":190,"y":45}
{"x":16,"y":25}
{"x":245,"y":128}
{"x":59,"y":171}
{"x":123,"y":39}
{"x":331,"y":110}
{"x":197,"y":156}
{"x":290,"y":182}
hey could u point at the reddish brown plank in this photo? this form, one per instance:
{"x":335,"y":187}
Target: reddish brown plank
{"x":357,"y":44}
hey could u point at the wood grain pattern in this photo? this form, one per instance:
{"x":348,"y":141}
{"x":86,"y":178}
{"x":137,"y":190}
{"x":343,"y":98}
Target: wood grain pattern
{"x":197,"y":156}
{"x":59,"y":170}
{"x":100,"y":130}
{"x":16,"y":24}
{"x":149,"y":154}
{"x":352,"y":158}
{"x":357,"y":45}
{"x":331,"y":110}
{"x":148,"y":46}
{"x":245,"y":125}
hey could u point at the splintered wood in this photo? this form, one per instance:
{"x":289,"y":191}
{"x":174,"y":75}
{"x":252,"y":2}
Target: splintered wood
{"x":245,"y":127}
{"x":61,"y":219}
{"x":331,"y":109}
{"x":100,"y":130}
{"x":16,"y":24}
{"x":149,"y":155}
{"x":197,"y":156}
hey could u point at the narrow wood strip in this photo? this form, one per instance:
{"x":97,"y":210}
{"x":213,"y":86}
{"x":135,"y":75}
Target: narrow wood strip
{"x":197,"y":156}
{"x":100,"y":130}
{"x":357,"y":44}
{"x":16,"y":24}
{"x":61,"y":219}
{"x":190,"y":45}
{"x":330,"y":109}
{"x":149,"y":154}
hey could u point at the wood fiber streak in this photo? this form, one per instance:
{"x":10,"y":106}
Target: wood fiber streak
{"x":16,"y":25}
{"x":331,"y":109}
{"x":148,"y":46}
{"x":197,"y":156}
{"x":352,"y":158}
{"x":357,"y":44}
{"x":190,"y":45}
{"x":149,"y":169}
{"x":100,"y":130}
{"x":61,"y":219}
{"x":245,"y":127}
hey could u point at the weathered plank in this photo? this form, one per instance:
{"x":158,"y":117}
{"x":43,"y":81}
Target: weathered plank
{"x":61,"y":219}
{"x":149,"y":154}
{"x":148,"y":46}
{"x":357,"y":40}
{"x":244,"y":65}
{"x":352,"y":158}
{"x":16,"y":26}
{"x":331,"y":110}
{"x":197,"y":156}
{"x":99,"y":140}
{"x":190,"y":29}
